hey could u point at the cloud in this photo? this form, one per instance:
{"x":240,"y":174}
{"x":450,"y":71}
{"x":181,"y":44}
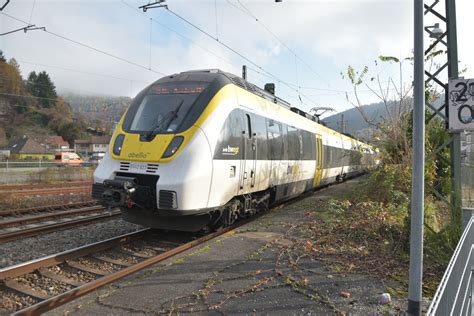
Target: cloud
{"x":327,"y":35}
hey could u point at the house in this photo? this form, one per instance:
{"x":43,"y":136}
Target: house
{"x":56,"y":143}
{"x":83,"y":147}
{"x":95,"y":145}
{"x":27,"y":148}
{"x":100,"y":143}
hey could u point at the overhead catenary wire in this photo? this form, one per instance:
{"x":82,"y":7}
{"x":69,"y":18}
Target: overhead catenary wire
{"x":89,"y":46}
{"x":105,"y":53}
{"x":215,"y":11}
{"x":26,"y":96}
{"x":177,"y":33}
{"x":151,"y":35}
{"x":227,"y":46}
{"x":80,"y":71}
{"x":152,"y":70}
{"x":205,"y":49}
{"x":60,"y":87}
{"x":253,"y":16}
{"x":32,"y":10}
{"x":25,"y":29}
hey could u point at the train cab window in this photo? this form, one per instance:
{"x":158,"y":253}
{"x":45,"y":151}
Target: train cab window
{"x":230,"y":142}
{"x":163,"y":107}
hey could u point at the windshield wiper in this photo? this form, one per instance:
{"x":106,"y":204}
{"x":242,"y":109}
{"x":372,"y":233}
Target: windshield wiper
{"x":160,"y":126}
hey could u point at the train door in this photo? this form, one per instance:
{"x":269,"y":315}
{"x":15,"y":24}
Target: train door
{"x":249,"y":157}
{"x":319,"y":161}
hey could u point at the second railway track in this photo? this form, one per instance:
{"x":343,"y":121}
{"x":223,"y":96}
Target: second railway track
{"x":32,"y":222}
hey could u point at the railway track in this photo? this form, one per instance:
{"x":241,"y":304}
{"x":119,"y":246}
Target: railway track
{"x":48,"y":191}
{"x":48,"y":221}
{"x":22,"y":187}
{"x":45,"y":208}
{"x":16,"y":187}
{"x":66,"y":188}
{"x":41,"y":285}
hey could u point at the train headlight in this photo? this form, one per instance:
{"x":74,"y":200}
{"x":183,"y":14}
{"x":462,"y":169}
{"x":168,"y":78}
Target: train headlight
{"x":173,"y":146}
{"x":118,"y":144}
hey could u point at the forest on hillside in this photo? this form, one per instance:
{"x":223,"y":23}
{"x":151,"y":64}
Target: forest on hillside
{"x":99,"y":111}
{"x":30,"y":105}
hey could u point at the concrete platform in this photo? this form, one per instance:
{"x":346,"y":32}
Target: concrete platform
{"x":241,"y":273}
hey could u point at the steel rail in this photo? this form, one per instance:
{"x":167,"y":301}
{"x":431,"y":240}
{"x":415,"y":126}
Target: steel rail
{"x":70,"y":295}
{"x":58,"y":300}
{"x":52,"y":191}
{"x":32,"y":219}
{"x":12,"y":187}
{"x":55,"y":259}
{"x":33,"y":231}
{"x":46,"y":208}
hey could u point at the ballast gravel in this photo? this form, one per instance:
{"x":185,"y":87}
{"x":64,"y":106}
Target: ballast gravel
{"x":26,"y":249}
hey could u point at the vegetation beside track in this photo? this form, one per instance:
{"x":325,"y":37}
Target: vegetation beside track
{"x":367,"y":231}
{"x":377,"y":216}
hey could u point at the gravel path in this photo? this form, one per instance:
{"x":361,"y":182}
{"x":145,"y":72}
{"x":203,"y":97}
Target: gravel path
{"x":22,"y":250}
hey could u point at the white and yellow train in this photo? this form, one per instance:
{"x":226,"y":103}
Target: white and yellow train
{"x":202,"y":148}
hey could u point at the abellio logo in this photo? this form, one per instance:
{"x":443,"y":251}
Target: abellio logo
{"x":140,"y":155}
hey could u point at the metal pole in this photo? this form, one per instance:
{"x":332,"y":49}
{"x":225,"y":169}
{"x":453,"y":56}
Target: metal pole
{"x":455,"y":148}
{"x":244,"y":72}
{"x":418,"y":177}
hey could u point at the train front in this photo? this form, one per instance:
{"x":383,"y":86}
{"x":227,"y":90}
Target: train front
{"x":159,"y":165}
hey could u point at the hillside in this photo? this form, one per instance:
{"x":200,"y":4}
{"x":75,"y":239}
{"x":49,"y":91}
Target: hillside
{"x":354,"y":123}
{"x":30,"y":106}
{"x":100,"y":112}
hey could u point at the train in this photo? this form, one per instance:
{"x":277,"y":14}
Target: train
{"x":200,"y":149}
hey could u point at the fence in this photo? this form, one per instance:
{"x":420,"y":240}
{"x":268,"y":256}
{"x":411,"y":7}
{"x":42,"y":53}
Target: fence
{"x":6,"y":166}
{"x":454,"y":294}
{"x":42,"y":172}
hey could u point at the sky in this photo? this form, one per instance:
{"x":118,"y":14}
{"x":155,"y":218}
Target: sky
{"x":111,"y":47}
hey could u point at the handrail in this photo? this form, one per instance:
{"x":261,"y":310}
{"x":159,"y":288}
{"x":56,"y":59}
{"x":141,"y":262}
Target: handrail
{"x":454,"y":293}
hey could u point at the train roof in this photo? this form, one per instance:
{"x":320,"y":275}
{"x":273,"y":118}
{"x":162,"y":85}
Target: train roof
{"x":210,"y":75}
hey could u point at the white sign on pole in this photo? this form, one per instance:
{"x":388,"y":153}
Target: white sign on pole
{"x":461,"y":104}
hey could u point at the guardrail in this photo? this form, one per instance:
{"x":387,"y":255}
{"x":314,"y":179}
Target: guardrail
{"x":455,"y":292}
{"x":38,"y":164}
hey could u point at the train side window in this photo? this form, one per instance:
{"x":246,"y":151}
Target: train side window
{"x":284,"y":134}
{"x":229,"y":144}
{"x":275,"y":140}
{"x":260,"y":129}
{"x":293,"y":144}
{"x":308,"y":145}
